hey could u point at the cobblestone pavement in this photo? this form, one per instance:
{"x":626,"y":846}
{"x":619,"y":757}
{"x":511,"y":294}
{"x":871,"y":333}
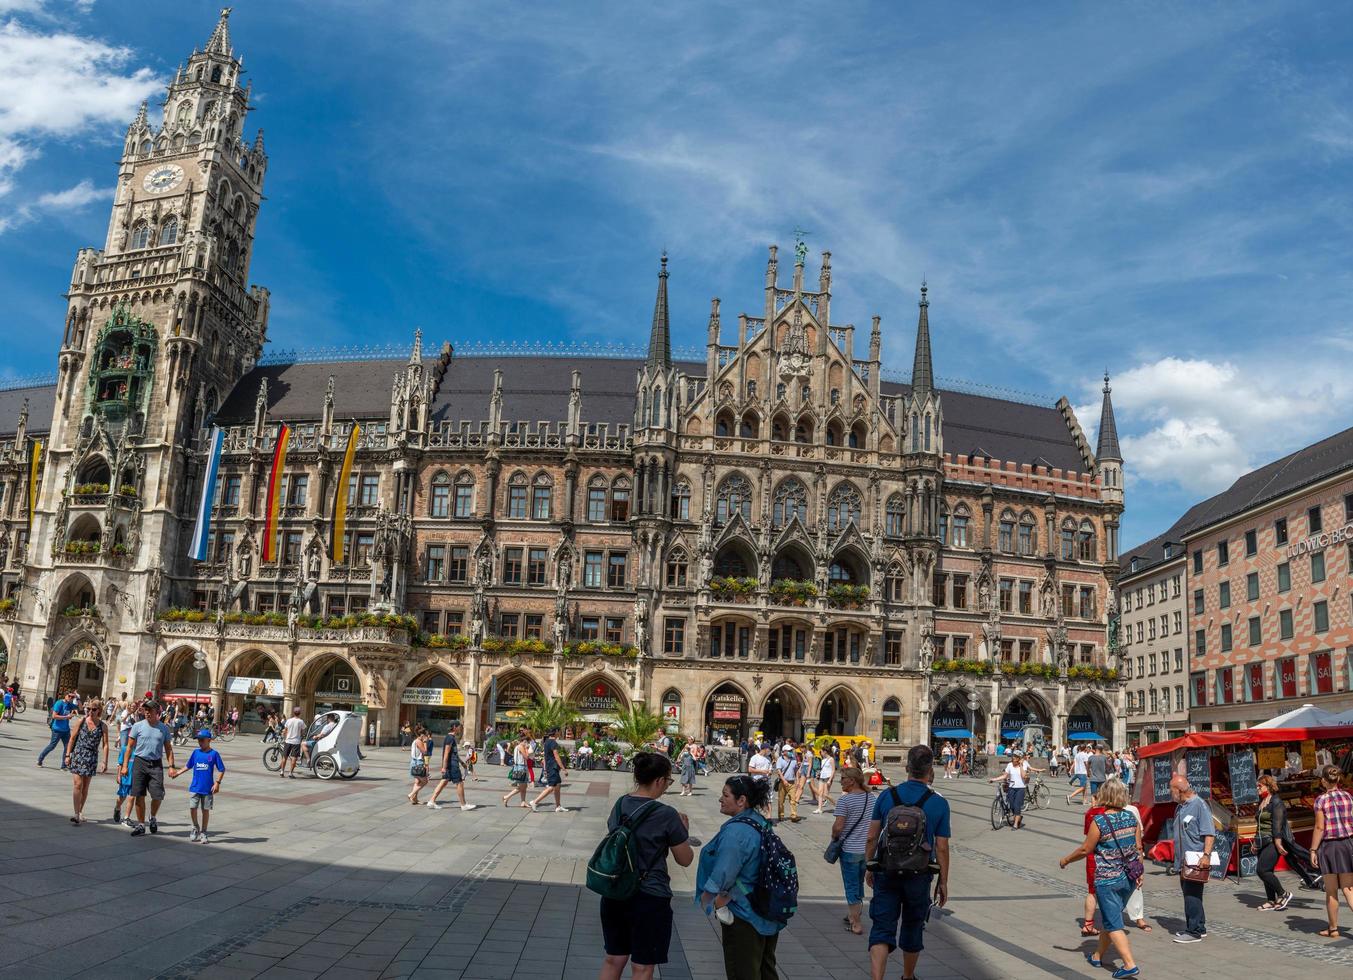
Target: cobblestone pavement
{"x":345,"y":880}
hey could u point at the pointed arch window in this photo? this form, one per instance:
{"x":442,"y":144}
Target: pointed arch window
{"x":185,"y":113}
{"x":655,"y":419}
{"x":1068,"y":540}
{"x":681,"y":502}
{"x":439,"y":500}
{"x":620,"y":500}
{"x":944,"y":525}
{"x":734,"y":497}
{"x":464,"y":506}
{"x":1006,"y":533}
{"x":516,"y":496}
{"x":960,"y":524}
{"x":678,"y":568}
{"x":541,"y":494}
{"x":894,"y":515}
{"x":915,"y":433}
{"x":1028,"y":534}
{"x":927,"y":432}
{"x":596,"y":499}
{"x":843,"y":507}
{"x":892,"y":720}
{"x":897,"y":583}
{"x":141,"y":235}
{"x":791,"y":500}
{"x":1086,"y":545}
{"x":169,"y":231}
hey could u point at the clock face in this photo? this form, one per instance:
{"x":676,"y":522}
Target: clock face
{"x":164,"y":178}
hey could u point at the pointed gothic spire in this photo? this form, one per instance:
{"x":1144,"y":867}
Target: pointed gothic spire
{"x":416,"y":355}
{"x":922,"y":373}
{"x":141,"y":121}
{"x":219,"y":42}
{"x":660,"y":336}
{"x":1108,"y":428}
{"x":258,"y":141}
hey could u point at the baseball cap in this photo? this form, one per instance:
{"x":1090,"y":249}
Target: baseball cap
{"x":204,"y":733}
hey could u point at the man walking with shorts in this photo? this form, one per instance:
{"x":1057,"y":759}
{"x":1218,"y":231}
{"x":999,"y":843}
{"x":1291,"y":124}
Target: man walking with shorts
{"x":148,"y":743}
{"x":451,"y":774}
{"x":553,"y":773}
{"x":293,"y":733}
{"x":1078,"y":780}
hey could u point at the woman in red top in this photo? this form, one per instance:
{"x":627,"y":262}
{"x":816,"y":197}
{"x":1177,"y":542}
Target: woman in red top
{"x":1332,"y":845}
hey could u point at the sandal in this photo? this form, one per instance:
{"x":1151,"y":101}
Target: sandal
{"x":1329,"y":933}
{"x":1143,"y":925}
{"x":1267,"y":907}
{"x":1089,"y":929}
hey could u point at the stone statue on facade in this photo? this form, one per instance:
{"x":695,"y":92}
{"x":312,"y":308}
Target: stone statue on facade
{"x":927,"y":653}
{"x":154,"y":579}
{"x":641,"y":624}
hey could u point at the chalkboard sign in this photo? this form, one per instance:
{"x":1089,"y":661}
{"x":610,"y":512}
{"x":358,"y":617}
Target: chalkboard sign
{"x":1222,"y":848}
{"x":1248,"y":865}
{"x":1244,"y":781}
{"x":1198,"y":768}
{"x":1161,"y":774}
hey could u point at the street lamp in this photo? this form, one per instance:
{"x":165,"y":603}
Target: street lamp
{"x":199,"y":661}
{"x":972,"y":735}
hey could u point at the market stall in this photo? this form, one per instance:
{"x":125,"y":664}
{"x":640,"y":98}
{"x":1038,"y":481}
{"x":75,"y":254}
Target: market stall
{"x":1224,"y":767}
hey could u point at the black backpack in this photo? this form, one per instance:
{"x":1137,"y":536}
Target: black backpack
{"x":903,"y":847}
{"x":775,"y":896}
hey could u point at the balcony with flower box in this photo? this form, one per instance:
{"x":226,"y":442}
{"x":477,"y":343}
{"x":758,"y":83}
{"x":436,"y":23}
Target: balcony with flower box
{"x":366,"y":629}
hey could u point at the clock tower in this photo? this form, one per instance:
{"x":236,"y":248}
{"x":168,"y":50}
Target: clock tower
{"x":160,"y":324}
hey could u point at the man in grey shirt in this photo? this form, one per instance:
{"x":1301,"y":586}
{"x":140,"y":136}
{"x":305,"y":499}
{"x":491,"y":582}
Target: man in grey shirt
{"x":1097,"y":768}
{"x":1194,"y":830}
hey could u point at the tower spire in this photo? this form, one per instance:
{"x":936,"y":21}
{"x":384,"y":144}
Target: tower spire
{"x":922,"y":373}
{"x":219,"y":42}
{"x":660,"y":336}
{"x":1108,"y":428}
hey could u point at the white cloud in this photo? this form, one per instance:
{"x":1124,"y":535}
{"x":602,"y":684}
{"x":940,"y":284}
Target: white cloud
{"x":1199,"y":424}
{"x":74,"y":198}
{"x":55,"y":84}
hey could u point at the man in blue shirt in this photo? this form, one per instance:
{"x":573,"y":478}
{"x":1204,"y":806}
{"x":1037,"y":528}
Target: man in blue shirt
{"x":904,"y":899}
{"x":147,"y":744}
{"x":60,"y":723}
{"x":204,"y":762}
{"x":553,"y":772}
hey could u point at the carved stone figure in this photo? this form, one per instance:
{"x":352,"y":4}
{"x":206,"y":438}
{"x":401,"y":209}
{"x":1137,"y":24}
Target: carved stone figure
{"x":927,"y":646}
{"x":154,"y":579}
{"x":641,"y":624}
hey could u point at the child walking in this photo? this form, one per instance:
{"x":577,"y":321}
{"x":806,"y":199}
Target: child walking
{"x":204,"y":762}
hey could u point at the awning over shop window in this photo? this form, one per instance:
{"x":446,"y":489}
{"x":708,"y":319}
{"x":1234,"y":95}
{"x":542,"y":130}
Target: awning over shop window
{"x":1086,"y":737}
{"x":951,"y":733}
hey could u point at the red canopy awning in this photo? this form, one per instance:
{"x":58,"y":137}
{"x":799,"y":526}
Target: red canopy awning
{"x":1246,"y":736}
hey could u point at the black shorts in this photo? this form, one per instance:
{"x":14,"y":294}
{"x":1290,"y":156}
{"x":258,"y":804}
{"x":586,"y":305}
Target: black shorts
{"x":452,"y":776}
{"x":289,"y":749}
{"x":639,"y":927}
{"x":147,"y":778}
{"x":553,"y":779}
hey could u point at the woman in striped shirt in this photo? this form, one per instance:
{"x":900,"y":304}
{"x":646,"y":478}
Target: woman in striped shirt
{"x":851,"y":828}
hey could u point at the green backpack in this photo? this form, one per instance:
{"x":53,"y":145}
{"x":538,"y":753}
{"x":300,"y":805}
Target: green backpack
{"x":612,"y":872}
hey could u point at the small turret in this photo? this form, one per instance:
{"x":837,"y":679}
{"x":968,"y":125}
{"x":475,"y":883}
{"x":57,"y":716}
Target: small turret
{"x":660,"y":334}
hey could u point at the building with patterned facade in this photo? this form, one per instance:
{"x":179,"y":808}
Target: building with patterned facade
{"x":773,"y":537}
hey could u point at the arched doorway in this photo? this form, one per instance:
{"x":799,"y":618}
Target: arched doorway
{"x":1027,"y":723}
{"x":782,"y":715}
{"x":179,"y":682}
{"x":432,"y":699}
{"x":502,"y":707}
{"x":1090,"y":720}
{"x":952,"y":720}
{"x":253,"y":686}
{"x":332,"y":685}
{"x":82,"y":668}
{"x":726,"y":715}
{"x":599,"y":701}
{"x":839,"y":714}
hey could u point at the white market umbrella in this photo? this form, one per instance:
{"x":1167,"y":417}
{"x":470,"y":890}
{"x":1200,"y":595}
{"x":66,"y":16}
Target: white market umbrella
{"x":1308,"y":716}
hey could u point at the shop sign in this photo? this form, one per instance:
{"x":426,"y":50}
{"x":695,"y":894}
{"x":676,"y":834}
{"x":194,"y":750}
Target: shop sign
{"x":1324,"y":673}
{"x":1319,"y":542}
{"x":1228,"y":689}
{"x":436,"y":697}
{"x":1287,"y":676}
{"x":729,"y":706}
{"x":1079,"y":723}
{"x":1271,"y":757}
{"x":671,"y":717}
{"x":600,"y":700}
{"x":1308,"y":762}
{"x":264,"y":686}
{"x":947,"y":721}
{"x":515,"y":693}
{"x":334,"y":696}
{"x":359,"y":709}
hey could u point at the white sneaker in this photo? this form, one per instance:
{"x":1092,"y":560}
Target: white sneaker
{"x":818,"y":810}
{"x":561,"y":809}
{"x":193,"y":836}
{"x":202,"y":837}
{"x":432,"y":805}
{"x":470,"y":806}
{"x":533,"y":807}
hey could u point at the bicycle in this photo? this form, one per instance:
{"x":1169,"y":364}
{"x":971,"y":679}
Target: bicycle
{"x":979,"y":768}
{"x":725,"y":761}
{"x":20,"y":705}
{"x":1039,"y":793}
{"x":224,"y":732}
{"x":1000,"y":809}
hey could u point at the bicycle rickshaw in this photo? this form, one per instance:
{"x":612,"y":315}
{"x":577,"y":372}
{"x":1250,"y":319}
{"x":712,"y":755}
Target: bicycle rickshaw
{"x":336,"y":754}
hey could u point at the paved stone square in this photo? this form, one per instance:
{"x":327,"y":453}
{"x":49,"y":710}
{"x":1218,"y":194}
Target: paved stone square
{"x":345,"y":880}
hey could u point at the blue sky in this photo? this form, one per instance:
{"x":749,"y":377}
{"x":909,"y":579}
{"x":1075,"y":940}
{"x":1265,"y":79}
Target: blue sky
{"x":1162,"y":189}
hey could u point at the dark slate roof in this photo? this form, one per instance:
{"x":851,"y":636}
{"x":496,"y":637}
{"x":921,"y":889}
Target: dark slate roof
{"x":537,"y":389}
{"x":1282,"y":476}
{"x":296,"y":391}
{"x":41,"y":404}
{"x":1108,"y":429}
{"x":1151,"y":554}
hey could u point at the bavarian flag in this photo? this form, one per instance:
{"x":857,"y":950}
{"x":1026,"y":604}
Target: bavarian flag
{"x":274,"y":501}
{"x":197,"y":548}
{"x":341,"y":497}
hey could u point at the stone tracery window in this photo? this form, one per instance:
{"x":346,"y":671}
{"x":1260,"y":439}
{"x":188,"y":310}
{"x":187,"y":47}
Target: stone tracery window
{"x":1006,"y":532}
{"x":681,"y":502}
{"x":678,"y":566}
{"x":1028,"y":534}
{"x":140,"y":235}
{"x":843,"y":507}
{"x":894,"y":516}
{"x":734,"y":497}
{"x":791,"y":500}
{"x":169,"y":231}
{"x":439,"y":500}
{"x":1086,"y":546}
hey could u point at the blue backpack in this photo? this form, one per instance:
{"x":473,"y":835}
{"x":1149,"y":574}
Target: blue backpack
{"x":775,"y":895}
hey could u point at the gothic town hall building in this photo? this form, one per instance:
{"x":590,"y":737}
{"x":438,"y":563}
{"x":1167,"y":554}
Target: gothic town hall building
{"x":772,"y":538}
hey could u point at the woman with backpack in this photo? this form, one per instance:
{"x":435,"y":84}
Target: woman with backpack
{"x":727,"y":876}
{"x":638,"y":930}
{"x":850,"y":834}
{"x":1114,"y":838}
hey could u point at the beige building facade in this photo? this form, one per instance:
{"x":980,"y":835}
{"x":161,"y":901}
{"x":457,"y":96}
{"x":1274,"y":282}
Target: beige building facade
{"x":1155,"y":641}
{"x":771,"y":537}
